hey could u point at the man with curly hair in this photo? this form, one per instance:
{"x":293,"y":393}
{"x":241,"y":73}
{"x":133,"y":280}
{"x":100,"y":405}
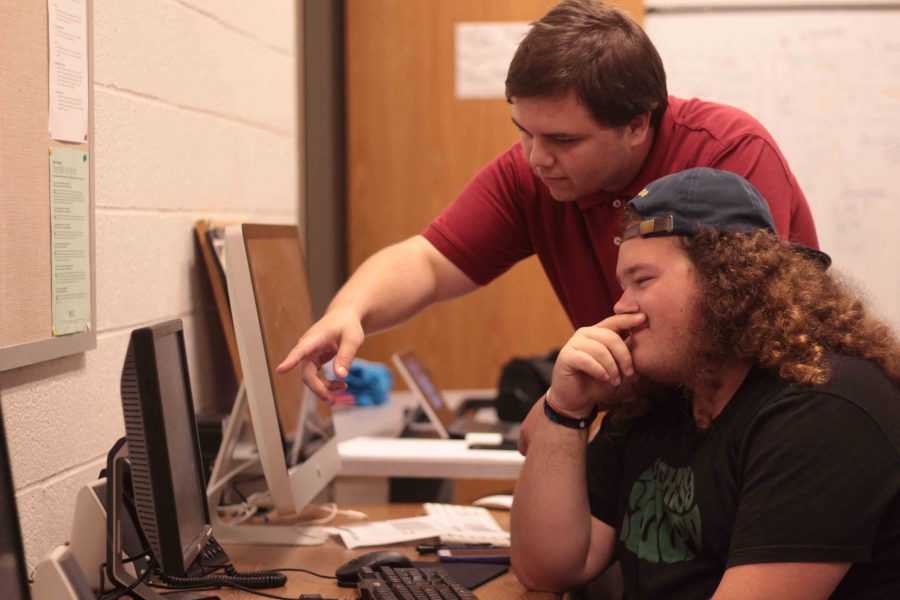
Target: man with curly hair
{"x":752,"y":447}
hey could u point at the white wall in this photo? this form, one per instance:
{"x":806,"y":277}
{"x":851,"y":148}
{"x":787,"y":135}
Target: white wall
{"x":195,"y":117}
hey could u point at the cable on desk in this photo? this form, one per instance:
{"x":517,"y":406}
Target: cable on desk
{"x":277,"y":597}
{"x":255,"y":580}
{"x":228,"y":477}
{"x":102,"y":573}
{"x":244,"y":511}
{"x":260,"y":504}
{"x":238,"y":586}
{"x":118,"y":593}
{"x":307,"y":571}
{"x":333,"y":511}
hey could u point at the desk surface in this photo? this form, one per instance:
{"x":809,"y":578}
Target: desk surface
{"x":326,"y":558}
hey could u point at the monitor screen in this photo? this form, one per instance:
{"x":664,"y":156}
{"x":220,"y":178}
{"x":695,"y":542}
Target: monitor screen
{"x":271,"y":308}
{"x":13,"y":584}
{"x":163,"y":448}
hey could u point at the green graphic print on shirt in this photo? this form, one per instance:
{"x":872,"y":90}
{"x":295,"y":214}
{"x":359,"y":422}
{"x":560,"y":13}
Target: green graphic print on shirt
{"x":662,"y":522}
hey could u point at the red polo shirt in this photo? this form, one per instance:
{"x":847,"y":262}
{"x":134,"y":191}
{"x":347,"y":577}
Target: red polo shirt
{"x":506,"y":213}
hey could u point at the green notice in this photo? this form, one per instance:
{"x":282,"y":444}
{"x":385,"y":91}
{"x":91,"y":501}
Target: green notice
{"x":70,"y":243}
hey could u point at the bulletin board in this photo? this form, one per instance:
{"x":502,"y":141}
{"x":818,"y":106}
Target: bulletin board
{"x":27,"y":278}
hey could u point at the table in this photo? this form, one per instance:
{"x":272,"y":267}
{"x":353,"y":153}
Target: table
{"x":371,"y":453}
{"x":388,"y":420}
{"x":326,"y":558}
{"x":412,"y":457}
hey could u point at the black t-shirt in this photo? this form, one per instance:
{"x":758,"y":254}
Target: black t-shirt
{"x":786,"y":473}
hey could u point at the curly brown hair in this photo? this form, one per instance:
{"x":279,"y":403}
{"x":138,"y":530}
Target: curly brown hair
{"x":766,"y":301}
{"x":763,"y":300}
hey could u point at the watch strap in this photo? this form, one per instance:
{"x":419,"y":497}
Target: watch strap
{"x":571,"y":422}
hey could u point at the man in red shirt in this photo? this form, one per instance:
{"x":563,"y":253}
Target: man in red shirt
{"x":588,"y":94}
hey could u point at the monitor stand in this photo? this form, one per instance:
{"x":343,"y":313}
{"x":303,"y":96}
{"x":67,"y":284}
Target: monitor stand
{"x":224,"y":469}
{"x":118,"y":574}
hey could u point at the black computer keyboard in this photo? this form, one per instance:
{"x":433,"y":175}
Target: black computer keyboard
{"x":408,"y":583}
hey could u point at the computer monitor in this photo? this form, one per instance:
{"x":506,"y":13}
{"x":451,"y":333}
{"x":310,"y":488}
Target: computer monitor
{"x":12,"y":557}
{"x":163,"y":448}
{"x":271,"y":308}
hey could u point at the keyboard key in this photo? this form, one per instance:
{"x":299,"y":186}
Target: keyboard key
{"x":389,"y":583}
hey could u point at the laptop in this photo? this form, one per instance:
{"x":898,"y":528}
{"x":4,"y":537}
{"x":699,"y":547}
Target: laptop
{"x":446,"y":422}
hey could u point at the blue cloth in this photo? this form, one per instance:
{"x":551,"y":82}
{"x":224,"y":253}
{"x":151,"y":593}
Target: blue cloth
{"x":369,"y":382}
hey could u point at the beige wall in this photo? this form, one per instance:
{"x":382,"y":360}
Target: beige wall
{"x":195,"y":117}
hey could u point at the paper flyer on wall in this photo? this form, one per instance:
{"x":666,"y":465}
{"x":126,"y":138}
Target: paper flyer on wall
{"x":68,"y":70}
{"x":70,"y":230}
{"x":483,"y":53}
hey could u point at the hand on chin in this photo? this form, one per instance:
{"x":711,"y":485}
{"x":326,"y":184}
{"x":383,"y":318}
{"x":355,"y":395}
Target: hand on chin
{"x":622,"y":393}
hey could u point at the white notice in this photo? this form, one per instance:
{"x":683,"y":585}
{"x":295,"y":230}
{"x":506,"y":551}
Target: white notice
{"x":483,"y":54}
{"x":67,"y":44}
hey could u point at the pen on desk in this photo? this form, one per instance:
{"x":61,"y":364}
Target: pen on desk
{"x":432,"y":548}
{"x":499,"y":556}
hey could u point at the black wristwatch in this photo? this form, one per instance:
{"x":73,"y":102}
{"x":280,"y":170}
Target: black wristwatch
{"x":561,"y":419}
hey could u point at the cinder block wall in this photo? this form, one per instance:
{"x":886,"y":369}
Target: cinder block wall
{"x":195,"y":117}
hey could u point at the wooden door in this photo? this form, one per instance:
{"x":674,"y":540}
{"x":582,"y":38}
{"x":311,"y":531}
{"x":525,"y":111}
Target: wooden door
{"x":411,"y":147}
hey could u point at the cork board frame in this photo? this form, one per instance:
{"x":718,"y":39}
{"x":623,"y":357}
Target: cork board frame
{"x":25,"y":259}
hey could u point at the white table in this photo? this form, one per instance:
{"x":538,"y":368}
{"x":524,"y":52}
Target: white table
{"x":434,"y":458}
{"x":371,"y":452}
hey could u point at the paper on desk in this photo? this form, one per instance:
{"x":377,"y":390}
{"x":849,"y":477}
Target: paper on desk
{"x":388,"y":532}
{"x":393,"y":531}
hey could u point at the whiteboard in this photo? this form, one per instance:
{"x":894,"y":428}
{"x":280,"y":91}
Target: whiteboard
{"x":826,"y":84}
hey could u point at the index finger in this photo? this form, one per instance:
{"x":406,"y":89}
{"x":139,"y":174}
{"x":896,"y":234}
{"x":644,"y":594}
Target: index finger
{"x":311,"y":347}
{"x":293,"y":358}
{"x":619,"y":325}
{"x":622,"y":323}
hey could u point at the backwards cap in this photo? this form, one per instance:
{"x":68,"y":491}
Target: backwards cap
{"x":678,"y":204}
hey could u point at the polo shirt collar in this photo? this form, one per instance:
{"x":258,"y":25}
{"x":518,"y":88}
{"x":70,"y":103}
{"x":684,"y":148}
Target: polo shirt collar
{"x":650,"y":171}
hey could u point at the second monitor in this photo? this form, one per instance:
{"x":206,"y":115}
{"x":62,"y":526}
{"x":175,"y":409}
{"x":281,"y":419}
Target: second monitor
{"x":271,"y":309}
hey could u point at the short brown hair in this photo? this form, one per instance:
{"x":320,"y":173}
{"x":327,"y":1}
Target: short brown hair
{"x":597,"y":51}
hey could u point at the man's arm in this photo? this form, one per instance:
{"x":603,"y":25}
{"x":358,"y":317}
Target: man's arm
{"x":556,"y":544}
{"x":776,"y":581}
{"x":389,"y":287}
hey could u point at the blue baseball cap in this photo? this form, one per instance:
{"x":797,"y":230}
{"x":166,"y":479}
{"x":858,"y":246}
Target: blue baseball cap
{"x":679,"y":203}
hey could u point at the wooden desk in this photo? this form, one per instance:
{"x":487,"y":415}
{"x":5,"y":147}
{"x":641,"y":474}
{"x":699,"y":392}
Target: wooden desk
{"x":326,"y":558}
